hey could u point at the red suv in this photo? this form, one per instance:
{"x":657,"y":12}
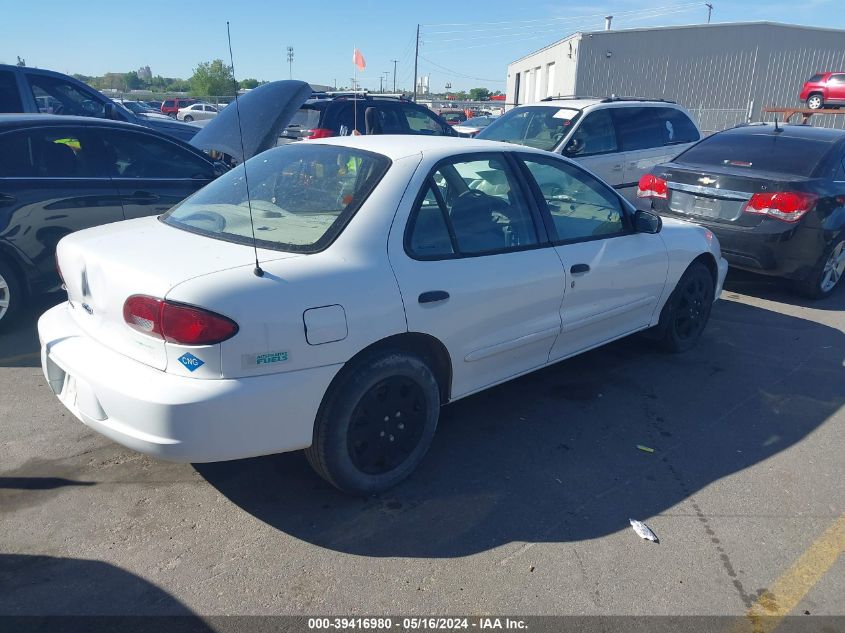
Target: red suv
{"x":824,"y":90}
{"x":171,"y":106}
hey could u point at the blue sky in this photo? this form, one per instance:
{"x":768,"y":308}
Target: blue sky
{"x":467,"y":44}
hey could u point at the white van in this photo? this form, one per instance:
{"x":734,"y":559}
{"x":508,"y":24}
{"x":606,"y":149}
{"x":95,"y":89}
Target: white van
{"x":619,"y":138}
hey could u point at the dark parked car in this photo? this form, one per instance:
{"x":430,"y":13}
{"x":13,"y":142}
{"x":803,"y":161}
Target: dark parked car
{"x":336,"y":116}
{"x":774,"y":196}
{"x":59,"y":174}
{"x":824,"y":90}
{"x":24,"y":89}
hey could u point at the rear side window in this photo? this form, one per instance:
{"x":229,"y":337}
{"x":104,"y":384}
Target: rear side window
{"x":758,"y":152}
{"x":136,"y":155}
{"x":677,"y":127}
{"x":168,"y":103}
{"x":815,"y":79}
{"x":836,"y":79}
{"x":10,"y":98}
{"x":45,"y":153}
{"x":639,"y":128}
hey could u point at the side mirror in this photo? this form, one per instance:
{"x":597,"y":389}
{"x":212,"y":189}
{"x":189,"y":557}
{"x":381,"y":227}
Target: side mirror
{"x":574,"y":147}
{"x":647,"y":222}
{"x":220,"y":168}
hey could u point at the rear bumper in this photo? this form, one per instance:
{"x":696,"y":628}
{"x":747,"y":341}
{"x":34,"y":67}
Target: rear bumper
{"x":174,"y":417}
{"x":771,"y":248}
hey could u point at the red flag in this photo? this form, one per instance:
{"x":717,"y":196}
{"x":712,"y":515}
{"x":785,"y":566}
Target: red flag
{"x":358,"y":60}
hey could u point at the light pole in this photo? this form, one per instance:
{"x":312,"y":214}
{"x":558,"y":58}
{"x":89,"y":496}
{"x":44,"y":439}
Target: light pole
{"x":290,"y":62}
{"x":394,"y":73}
{"x":385,"y":74}
{"x":709,"y":10}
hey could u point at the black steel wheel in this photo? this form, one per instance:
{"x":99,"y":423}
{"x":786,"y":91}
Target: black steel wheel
{"x":376,"y":422}
{"x":387,"y":425}
{"x":688,"y":309}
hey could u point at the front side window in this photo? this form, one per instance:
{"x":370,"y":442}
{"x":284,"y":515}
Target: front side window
{"x":302,"y":196}
{"x":542,"y":127}
{"x":45,"y":153}
{"x":471,"y":207}
{"x":10,"y":98}
{"x":57,"y":96}
{"x":595,"y":135}
{"x":581,"y":207}
{"x":138,"y":155}
{"x":421,"y":122}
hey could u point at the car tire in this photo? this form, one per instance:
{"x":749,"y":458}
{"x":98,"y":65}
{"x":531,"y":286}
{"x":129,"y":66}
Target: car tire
{"x":815,"y":102}
{"x":827,"y":273}
{"x":188,"y":118}
{"x":376,"y":423}
{"x":11,"y":295}
{"x":687,"y":311}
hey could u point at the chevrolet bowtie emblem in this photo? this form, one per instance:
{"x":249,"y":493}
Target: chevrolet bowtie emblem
{"x":706,"y":180}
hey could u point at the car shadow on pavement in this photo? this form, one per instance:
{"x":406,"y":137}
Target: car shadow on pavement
{"x":779,"y":290}
{"x":74,"y":587}
{"x":19,"y":346}
{"x":554,"y":456}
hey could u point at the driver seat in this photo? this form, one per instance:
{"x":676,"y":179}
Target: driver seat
{"x":475,"y":228}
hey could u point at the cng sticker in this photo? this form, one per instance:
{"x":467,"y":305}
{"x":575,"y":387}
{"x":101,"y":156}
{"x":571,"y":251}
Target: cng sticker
{"x":191,"y":362}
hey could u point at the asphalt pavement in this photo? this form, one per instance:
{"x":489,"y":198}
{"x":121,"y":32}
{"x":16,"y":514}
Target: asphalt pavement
{"x":521,"y":506}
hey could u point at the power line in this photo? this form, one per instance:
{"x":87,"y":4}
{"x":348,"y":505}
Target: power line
{"x":565,"y":18}
{"x":458,"y":73}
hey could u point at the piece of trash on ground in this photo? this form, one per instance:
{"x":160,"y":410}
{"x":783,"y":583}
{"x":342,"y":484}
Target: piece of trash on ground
{"x":647,"y":449}
{"x":644,"y":531}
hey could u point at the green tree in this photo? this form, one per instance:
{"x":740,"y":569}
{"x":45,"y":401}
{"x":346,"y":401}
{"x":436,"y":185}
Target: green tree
{"x":132,"y":81}
{"x":247,"y":84}
{"x":212,"y":79}
{"x":479,"y":94}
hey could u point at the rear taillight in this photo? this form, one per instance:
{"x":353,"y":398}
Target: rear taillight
{"x":319,"y":132}
{"x":650,"y":186}
{"x":787,"y":206}
{"x":177,"y":323}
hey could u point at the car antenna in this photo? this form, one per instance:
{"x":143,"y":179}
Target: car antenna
{"x":257,"y":271}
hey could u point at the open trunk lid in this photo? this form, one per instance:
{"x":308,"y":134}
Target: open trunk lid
{"x":265,"y":112}
{"x":103,"y":266}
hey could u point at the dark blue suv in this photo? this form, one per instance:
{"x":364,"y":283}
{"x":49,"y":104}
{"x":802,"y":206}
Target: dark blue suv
{"x":34,"y":90}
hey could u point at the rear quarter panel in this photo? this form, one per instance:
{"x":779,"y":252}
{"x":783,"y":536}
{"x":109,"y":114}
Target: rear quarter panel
{"x":354,"y":273}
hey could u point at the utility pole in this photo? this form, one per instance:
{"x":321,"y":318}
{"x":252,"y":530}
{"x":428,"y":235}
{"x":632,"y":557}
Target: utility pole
{"x":386,"y":74}
{"x":416,"y":60}
{"x":709,"y":10}
{"x":381,"y":83}
{"x":394,"y":74}
{"x":290,"y":62}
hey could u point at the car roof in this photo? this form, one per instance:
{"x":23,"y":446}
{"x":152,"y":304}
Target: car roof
{"x":809,"y":132}
{"x":396,"y":146}
{"x":575,"y":104}
{"x":17,"y":120}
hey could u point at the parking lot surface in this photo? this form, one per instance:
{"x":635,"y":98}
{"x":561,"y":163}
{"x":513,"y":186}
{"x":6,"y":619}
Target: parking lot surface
{"x":521,"y":506}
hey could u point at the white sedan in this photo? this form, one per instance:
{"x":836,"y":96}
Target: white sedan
{"x":197,"y":112}
{"x":393,"y":275}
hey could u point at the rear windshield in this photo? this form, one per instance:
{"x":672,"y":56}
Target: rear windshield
{"x":306,"y":118}
{"x":302,"y":196}
{"x":758,"y":152}
{"x":542,"y":127}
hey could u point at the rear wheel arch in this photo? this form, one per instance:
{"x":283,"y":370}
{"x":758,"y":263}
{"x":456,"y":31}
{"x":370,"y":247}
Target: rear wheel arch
{"x":428,"y":348}
{"x":17,"y":268}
